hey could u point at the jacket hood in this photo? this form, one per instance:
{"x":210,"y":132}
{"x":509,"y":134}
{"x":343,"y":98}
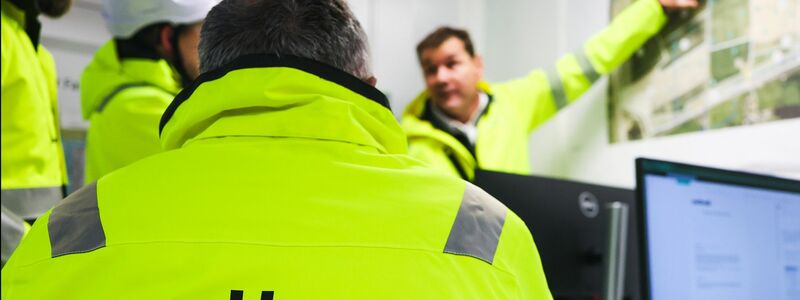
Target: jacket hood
{"x":107,"y":73}
{"x":286,"y":96}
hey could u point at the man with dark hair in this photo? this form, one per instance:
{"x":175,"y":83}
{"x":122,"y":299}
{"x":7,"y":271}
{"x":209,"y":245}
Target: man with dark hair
{"x":286,"y":176}
{"x":33,"y":165}
{"x":133,"y":78}
{"x":461,"y":123}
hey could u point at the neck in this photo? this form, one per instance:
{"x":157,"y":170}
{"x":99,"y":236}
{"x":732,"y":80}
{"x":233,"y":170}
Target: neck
{"x":467,"y":113}
{"x":32,"y":25}
{"x":131,"y":48}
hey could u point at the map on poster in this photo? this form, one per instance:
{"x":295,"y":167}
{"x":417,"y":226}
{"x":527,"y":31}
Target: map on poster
{"x":729,"y":63}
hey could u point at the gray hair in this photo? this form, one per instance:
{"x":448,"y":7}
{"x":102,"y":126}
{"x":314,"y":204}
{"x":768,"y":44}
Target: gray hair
{"x":321,"y":30}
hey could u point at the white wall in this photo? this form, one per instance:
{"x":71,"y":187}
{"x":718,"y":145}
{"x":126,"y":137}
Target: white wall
{"x":575,"y":144}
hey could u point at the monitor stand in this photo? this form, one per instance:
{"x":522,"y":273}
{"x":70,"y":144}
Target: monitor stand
{"x":614,"y":260}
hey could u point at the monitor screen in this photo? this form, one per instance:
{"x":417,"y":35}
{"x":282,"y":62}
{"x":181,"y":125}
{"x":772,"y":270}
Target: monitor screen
{"x":715,"y":234}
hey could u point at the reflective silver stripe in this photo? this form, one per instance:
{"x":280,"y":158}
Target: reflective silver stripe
{"x":587,"y":68}
{"x":13,"y":228}
{"x":74,"y":224}
{"x":31,"y":203}
{"x":557,"y":88}
{"x":479,"y":222}
{"x":117,"y":91}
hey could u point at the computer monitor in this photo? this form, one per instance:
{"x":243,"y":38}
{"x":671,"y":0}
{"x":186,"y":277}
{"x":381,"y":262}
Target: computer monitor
{"x":570,"y":223}
{"x":717,"y":234}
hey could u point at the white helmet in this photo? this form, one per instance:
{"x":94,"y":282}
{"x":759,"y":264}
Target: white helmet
{"x":125,"y":17}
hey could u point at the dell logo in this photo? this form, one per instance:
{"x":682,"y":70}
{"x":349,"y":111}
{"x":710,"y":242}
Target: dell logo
{"x":588,"y":205}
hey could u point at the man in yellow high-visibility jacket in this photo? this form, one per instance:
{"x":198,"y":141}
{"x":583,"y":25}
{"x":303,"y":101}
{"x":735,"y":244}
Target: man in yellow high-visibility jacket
{"x":34,"y":172}
{"x":286,"y":176}
{"x":461,"y":123}
{"x":133,"y":78}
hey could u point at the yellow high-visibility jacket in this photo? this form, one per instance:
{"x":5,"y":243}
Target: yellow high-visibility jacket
{"x":123,"y":99}
{"x":34,"y":171}
{"x":519,"y":106}
{"x":282,"y":176}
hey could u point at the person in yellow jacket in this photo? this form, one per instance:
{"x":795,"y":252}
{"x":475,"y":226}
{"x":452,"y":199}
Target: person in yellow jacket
{"x":461,"y":123}
{"x":286,"y":177}
{"x":133,"y":78}
{"x":33,"y":165}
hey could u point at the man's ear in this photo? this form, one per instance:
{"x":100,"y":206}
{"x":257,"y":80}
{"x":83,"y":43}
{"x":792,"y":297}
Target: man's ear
{"x":165,"y":39}
{"x":479,"y":62}
{"x":371,"y":80}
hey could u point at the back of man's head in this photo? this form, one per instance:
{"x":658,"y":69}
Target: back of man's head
{"x":322,"y":30}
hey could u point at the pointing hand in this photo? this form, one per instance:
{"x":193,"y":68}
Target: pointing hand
{"x":679,"y":4}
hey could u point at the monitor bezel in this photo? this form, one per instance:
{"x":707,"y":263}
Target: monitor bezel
{"x":646,"y":166}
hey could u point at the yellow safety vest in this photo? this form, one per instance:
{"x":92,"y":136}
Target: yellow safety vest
{"x":519,"y":106}
{"x":33,"y":166}
{"x":283,"y":177}
{"x":123,"y":101}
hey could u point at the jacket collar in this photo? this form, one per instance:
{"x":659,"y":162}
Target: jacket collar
{"x":417,"y":126}
{"x":26,"y":13}
{"x":107,"y":72}
{"x":286,"y":96}
{"x":417,"y":107}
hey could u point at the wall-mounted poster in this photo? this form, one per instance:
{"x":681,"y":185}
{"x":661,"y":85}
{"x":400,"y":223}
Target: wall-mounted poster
{"x":729,"y":63}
